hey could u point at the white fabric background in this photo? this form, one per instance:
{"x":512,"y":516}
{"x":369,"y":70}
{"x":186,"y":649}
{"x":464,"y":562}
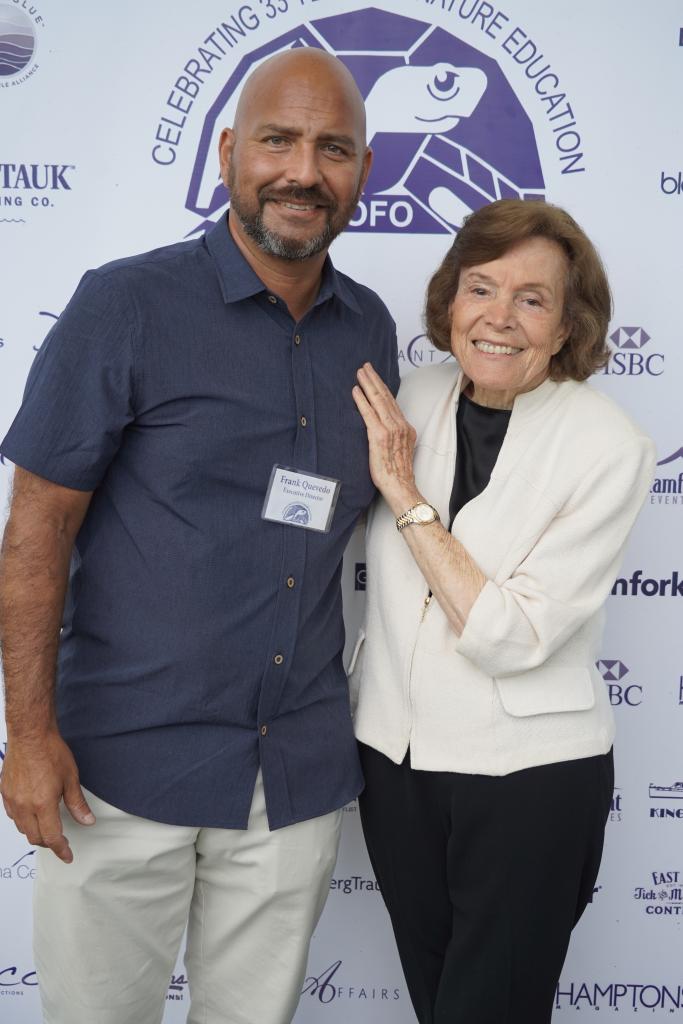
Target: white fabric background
{"x":92,"y":97}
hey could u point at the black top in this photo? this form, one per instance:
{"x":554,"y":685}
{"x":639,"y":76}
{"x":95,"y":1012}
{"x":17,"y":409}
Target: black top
{"x":480,"y":433}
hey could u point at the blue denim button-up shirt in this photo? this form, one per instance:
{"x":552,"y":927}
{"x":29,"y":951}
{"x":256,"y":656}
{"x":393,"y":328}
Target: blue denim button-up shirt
{"x":201,"y":641}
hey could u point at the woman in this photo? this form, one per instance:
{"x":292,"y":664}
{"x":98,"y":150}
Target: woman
{"x":508,"y":490}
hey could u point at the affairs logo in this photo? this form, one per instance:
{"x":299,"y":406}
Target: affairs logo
{"x":448,"y":131}
{"x":628,"y":359}
{"x":663,"y":895}
{"x":620,"y":694}
{"x":673,"y":795}
{"x":667,"y":489}
{"x":330,"y":984}
{"x":18,"y":42}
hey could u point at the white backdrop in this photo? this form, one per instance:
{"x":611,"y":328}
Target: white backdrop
{"x":108,"y":118}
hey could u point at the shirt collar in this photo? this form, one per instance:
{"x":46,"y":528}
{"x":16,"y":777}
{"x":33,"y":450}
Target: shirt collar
{"x":239,"y":281}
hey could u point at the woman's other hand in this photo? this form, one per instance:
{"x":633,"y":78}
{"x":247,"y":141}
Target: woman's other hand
{"x":391,"y":440}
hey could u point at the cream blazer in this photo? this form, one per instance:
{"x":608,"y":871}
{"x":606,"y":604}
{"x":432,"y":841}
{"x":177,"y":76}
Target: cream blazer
{"x":519,"y":687}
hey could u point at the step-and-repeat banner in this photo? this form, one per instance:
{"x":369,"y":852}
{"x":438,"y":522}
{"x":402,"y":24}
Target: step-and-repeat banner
{"x":109,"y":119}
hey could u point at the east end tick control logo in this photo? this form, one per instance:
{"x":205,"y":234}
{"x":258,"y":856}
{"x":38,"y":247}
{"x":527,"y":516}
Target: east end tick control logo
{"x":630,"y":355}
{"x":623,"y":692}
{"x":662,"y":896}
{"x":667,"y":486}
{"x":19,"y":24}
{"x":448,"y":131}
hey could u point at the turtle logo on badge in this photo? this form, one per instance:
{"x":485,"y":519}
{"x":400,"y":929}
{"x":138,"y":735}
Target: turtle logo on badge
{"x":298,"y":514}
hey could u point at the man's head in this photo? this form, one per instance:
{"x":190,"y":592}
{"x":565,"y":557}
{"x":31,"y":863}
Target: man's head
{"x":296,"y":158}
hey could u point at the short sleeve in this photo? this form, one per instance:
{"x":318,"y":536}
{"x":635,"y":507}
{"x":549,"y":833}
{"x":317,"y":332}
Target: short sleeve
{"x":79,"y":394}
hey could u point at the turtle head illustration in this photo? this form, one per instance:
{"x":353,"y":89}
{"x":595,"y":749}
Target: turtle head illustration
{"x":423,"y":100}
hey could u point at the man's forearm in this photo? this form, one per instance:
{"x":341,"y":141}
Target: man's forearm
{"x":34,"y":568}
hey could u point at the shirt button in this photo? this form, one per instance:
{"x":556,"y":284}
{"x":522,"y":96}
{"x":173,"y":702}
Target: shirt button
{"x":278,"y":659}
{"x":272,"y":298}
{"x":297,"y":339}
{"x":290,"y":582}
{"x":264,"y":730}
{"x":303,"y":421}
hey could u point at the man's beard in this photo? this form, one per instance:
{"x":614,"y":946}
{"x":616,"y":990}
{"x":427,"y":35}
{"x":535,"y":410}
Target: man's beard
{"x":276,"y":244}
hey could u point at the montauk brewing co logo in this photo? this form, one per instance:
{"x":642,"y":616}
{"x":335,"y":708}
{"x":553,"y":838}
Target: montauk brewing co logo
{"x":447,"y":130}
{"x":19,"y":24}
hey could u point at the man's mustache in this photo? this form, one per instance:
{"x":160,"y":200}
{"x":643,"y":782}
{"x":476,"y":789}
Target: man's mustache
{"x":308,"y":196}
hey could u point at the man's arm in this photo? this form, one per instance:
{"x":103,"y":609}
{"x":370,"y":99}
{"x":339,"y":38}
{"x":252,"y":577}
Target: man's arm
{"x":39,"y":769}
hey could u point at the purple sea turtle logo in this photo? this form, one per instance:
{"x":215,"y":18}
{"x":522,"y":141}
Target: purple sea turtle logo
{"x":297,"y":513}
{"x":448,"y":132}
{"x":17,"y":40}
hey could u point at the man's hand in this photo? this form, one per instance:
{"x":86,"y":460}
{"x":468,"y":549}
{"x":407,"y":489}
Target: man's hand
{"x":36,"y":775}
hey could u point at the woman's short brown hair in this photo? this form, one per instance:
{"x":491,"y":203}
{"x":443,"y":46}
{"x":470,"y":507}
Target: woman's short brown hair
{"x":487,"y":235}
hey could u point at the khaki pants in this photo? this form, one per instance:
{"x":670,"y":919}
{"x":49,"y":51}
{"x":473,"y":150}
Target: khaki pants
{"x":108,"y":927}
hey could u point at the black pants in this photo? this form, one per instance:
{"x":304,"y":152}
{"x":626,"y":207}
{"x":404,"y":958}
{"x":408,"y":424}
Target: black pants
{"x":484,"y":878}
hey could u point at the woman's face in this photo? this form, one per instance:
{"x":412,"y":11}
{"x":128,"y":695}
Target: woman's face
{"x":506,"y":320}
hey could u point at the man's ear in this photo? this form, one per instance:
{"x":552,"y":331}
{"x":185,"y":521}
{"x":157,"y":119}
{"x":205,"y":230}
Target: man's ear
{"x":225,"y":147}
{"x":365,"y":170}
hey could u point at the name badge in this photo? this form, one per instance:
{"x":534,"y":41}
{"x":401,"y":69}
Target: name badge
{"x":301,"y":499}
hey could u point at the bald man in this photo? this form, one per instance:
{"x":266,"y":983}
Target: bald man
{"x":190,"y":466}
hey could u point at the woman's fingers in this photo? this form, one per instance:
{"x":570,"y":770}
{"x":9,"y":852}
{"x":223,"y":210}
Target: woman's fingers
{"x":379,"y":396}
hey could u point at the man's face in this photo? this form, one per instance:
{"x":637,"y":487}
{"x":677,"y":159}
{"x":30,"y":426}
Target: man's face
{"x":296,"y":162}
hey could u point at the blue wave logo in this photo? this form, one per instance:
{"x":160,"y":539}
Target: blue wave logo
{"x":17,"y":41}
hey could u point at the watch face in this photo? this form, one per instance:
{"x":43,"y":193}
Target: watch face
{"x":424,"y":514}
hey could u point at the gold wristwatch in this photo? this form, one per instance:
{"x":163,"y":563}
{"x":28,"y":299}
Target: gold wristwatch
{"x":421,"y":514}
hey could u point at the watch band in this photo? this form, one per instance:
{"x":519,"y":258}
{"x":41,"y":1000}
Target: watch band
{"x":421,"y":514}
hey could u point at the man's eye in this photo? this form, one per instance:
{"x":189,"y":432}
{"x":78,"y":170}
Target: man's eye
{"x":275,"y":140}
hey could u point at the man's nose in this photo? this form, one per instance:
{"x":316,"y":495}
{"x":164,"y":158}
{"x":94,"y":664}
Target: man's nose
{"x":303,"y":166}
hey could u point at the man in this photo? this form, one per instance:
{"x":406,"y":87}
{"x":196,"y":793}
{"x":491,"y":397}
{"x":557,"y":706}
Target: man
{"x":186,"y":431}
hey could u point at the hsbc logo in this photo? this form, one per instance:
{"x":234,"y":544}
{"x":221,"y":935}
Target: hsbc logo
{"x":628,"y":358}
{"x":620,"y":694}
{"x":629,"y":337}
